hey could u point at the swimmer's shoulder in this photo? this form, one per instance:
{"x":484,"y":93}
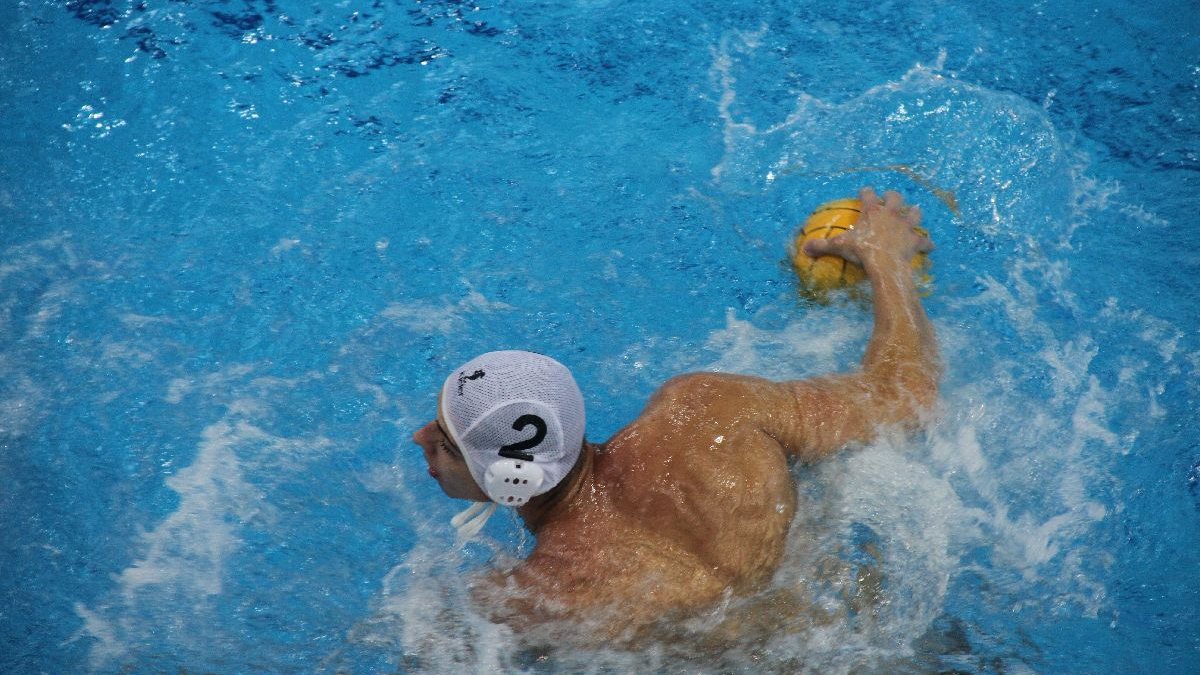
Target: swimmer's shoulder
{"x":808,"y":419}
{"x":719,"y":397}
{"x":703,"y":386}
{"x":686,"y":416}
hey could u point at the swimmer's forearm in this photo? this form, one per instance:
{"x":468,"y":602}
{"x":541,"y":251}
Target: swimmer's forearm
{"x":897,"y":384}
{"x":903,"y":348}
{"x":900,"y":319}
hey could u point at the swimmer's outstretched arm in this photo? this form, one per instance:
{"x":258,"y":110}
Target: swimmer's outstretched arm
{"x":898,"y":381}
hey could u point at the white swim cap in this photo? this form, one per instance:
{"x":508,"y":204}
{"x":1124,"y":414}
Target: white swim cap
{"x":518,"y":419}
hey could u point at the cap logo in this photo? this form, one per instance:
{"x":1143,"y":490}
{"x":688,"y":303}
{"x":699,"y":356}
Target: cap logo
{"x":517,"y":450}
{"x":463,"y":377}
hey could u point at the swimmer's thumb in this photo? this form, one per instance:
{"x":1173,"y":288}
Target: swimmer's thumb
{"x":815,"y":248}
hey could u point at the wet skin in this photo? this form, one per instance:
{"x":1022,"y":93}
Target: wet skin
{"x":691,"y":502}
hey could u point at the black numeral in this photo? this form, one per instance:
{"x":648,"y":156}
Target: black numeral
{"x":515,"y":450}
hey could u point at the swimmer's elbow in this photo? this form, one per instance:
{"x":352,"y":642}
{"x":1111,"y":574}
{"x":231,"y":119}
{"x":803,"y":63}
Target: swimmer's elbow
{"x":913,"y":395}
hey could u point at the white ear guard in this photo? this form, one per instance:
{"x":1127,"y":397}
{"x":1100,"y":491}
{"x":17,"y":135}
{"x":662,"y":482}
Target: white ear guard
{"x":511,"y":482}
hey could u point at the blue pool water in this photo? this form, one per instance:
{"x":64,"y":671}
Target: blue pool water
{"x":241,"y":242}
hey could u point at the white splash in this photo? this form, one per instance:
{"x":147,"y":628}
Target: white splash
{"x":182,"y":560}
{"x":427,"y":317}
{"x":187,"y":550}
{"x":812,"y":346}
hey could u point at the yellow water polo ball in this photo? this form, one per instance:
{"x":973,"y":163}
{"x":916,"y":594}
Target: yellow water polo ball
{"x":827,"y":272}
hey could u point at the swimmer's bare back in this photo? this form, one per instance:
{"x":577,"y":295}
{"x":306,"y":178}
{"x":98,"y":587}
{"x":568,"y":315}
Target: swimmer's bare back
{"x":692,"y":501}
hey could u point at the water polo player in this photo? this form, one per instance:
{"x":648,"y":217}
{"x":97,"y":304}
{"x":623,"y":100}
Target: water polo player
{"x":691,"y":502}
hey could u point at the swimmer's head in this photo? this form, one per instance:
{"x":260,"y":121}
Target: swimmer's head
{"x":518,"y":419}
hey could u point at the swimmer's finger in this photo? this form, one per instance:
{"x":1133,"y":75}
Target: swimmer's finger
{"x":913,"y":215}
{"x":893,"y":200}
{"x":925,"y":245}
{"x":868,"y":197}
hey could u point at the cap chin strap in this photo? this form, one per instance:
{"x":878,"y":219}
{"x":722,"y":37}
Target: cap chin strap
{"x":471,"y":520}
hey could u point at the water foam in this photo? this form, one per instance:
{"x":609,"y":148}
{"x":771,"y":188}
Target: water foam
{"x":183,"y":560}
{"x":816,"y":345}
{"x":430,"y":317}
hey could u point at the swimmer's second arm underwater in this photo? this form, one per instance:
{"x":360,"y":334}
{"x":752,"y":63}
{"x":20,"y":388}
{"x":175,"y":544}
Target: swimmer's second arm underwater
{"x":898,"y":379}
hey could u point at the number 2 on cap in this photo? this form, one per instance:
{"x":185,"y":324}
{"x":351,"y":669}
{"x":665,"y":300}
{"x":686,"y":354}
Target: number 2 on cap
{"x":516,"y":450}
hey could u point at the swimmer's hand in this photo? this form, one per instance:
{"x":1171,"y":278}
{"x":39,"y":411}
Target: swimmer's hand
{"x":883,"y":234}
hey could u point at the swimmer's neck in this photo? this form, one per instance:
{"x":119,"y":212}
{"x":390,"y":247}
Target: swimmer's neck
{"x":544,"y":509}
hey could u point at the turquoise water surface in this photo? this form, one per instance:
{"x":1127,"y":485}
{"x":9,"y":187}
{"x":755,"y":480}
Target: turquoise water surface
{"x":243,"y":241}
